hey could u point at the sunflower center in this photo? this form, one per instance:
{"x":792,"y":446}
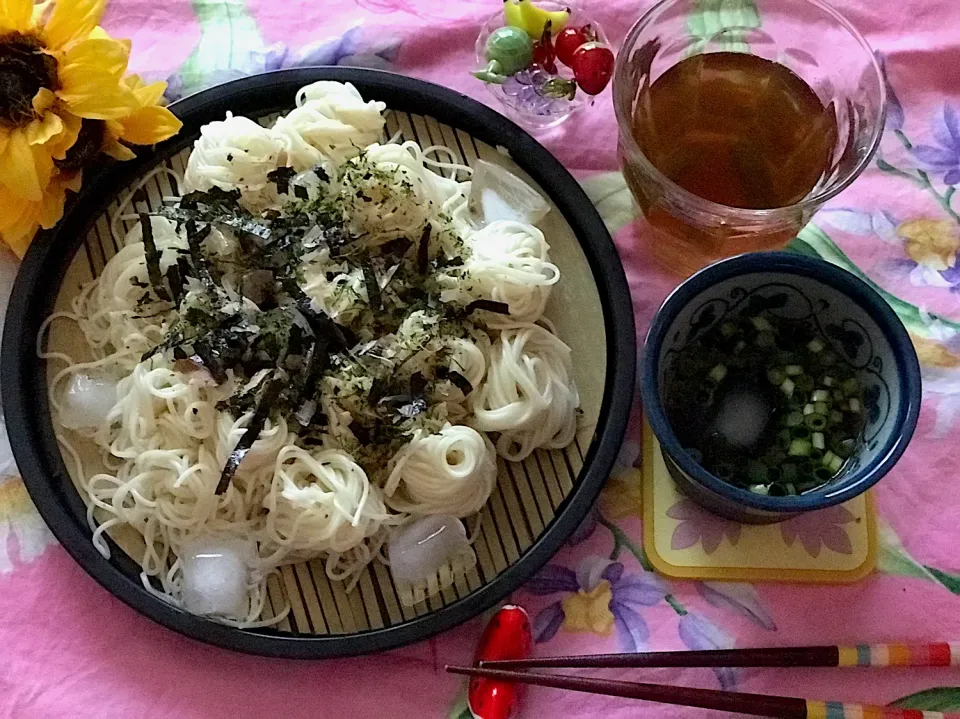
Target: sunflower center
{"x":24,"y":69}
{"x":87,"y":148}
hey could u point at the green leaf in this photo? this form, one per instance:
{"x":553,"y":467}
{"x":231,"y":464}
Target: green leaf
{"x":819,"y":243}
{"x":894,"y":558}
{"x":609,"y":193}
{"x":460,"y":708}
{"x":938,"y":699}
{"x":950,"y":581}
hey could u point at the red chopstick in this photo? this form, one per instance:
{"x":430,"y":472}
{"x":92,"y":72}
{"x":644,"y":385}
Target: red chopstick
{"x":752,"y":704}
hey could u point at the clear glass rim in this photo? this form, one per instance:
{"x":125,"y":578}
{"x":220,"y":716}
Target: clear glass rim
{"x":622,"y":100}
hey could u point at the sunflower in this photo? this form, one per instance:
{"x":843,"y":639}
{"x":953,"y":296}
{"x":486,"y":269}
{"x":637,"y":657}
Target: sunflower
{"x":64,"y":104}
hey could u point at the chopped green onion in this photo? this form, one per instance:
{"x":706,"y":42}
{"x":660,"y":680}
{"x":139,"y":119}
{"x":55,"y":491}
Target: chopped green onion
{"x":823,"y":474}
{"x":836,"y":417}
{"x":787,"y":387}
{"x":816,"y":422}
{"x":820,"y":395}
{"x":817,"y":439}
{"x":761,"y":324}
{"x":760,"y":489}
{"x":783,"y":438}
{"x":791,"y":490}
{"x":827,"y":381}
{"x":793,"y":419}
{"x":800,"y":433}
{"x":789,"y":472}
{"x":793,"y":370}
{"x":815,"y":345}
{"x":804,"y":383}
{"x":807,"y":409}
{"x":718,"y":373}
{"x":799,"y":448}
{"x":828,"y":457}
{"x":835,"y":464}
{"x":838,"y":395}
{"x":776,"y":376}
{"x":728,"y":329}
{"x":766,"y":339}
{"x":850,"y":386}
{"x":756,"y":472}
{"x":855,"y":405}
{"x":845,"y":448}
{"x":816,"y":455}
{"x":821,"y":408}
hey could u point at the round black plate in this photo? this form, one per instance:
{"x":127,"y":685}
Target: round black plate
{"x":23,"y":376}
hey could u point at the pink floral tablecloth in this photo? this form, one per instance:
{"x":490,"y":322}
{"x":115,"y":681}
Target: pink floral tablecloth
{"x":68,"y":649}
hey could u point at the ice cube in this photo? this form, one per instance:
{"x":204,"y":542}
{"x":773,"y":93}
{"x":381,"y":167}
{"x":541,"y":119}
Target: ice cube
{"x":428,"y":555}
{"x":216,"y":572}
{"x":498,"y":194}
{"x":742,"y":417}
{"x":87,"y":400}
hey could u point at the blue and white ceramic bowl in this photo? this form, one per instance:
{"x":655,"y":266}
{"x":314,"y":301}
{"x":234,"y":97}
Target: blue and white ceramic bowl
{"x":856,"y":320}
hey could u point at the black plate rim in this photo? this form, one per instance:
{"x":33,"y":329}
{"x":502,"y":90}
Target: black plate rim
{"x":23,"y":375}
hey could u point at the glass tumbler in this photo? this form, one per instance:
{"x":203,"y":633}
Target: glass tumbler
{"x":686,"y":232}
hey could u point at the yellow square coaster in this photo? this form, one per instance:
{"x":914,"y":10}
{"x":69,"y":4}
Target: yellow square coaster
{"x":835,"y":545}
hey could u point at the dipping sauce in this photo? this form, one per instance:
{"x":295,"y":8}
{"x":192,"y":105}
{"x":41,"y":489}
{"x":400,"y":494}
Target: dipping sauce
{"x":765,"y":403}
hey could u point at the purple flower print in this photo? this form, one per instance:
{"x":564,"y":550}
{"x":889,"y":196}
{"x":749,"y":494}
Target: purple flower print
{"x":895,"y":116}
{"x":819,"y":529}
{"x":944,"y":157}
{"x":699,"y":634}
{"x":698,"y":525}
{"x":600,"y":597}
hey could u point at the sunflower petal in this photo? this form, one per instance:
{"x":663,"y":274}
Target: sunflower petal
{"x":58,"y":146}
{"x":117,"y":150}
{"x":150,"y":94}
{"x":39,"y":132}
{"x":97,"y":96}
{"x":72,"y":20}
{"x":19,"y":221}
{"x":18,"y":170}
{"x":149,"y":125}
{"x":43,"y":100}
{"x":51,"y":206}
{"x":103,"y":55}
{"x":15,"y":15}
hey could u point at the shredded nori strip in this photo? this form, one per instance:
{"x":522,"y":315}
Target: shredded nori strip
{"x":269,"y":397}
{"x":175,"y":280}
{"x":397,"y":247}
{"x":458,"y":380}
{"x":300,"y":192}
{"x":423,"y":250}
{"x":210,"y":359}
{"x":418,"y":398}
{"x":195,"y":238}
{"x":321,"y":174}
{"x":501,"y":308}
{"x":281,"y":178}
{"x":152,"y":256}
{"x":322,"y":324}
{"x":372,"y":284}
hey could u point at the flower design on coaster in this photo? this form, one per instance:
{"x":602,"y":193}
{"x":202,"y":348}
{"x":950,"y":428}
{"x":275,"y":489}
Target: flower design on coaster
{"x":698,"y":525}
{"x":819,"y":529}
